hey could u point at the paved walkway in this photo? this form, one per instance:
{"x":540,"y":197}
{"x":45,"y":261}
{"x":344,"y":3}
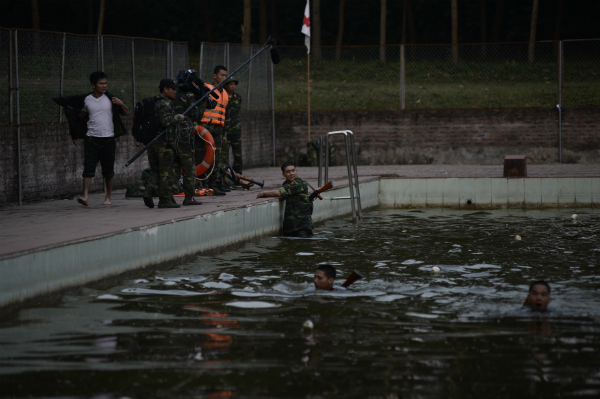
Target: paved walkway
{"x":56,"y":222}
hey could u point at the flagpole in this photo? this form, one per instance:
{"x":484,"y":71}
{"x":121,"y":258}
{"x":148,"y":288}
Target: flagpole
{"x":309,"y":97}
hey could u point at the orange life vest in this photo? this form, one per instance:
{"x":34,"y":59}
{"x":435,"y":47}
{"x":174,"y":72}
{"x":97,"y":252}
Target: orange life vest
{"x":216,"y":116}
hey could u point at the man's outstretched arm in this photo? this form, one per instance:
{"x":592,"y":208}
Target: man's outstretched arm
{"x":274,"y":193}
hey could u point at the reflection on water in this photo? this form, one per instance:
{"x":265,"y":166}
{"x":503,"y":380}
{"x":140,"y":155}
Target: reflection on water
{"x":232,"y":325}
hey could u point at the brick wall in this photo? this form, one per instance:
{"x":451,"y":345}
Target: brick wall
{"x":52,"y":164}
{"x":470,"y":136}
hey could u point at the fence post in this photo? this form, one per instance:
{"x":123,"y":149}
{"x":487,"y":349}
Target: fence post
{"x":62,"y":75}
{"x":102,"y":53}
{"x":133,"y":69}
{"x":200,"y":62}
{"x":172,"y":62}
{"x":167,"y":61}
{"x":273,"y":109}
{"x":18,"y":116}
{"x":249,"y":80}
{"x":559,"y":106}
{"x":226,"y":56}
{"x":10,"y":72}
{"x":402,"y":103}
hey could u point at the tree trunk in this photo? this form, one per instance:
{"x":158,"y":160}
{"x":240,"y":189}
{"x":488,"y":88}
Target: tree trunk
{"x":262,"y":4}
{"x":534,"y":14}
{"x":454,"y":5}
{"x":483,"y":24}
{"x":404,"y":11}
{"x":91,"y":17}
{"x":498,"y":21}
{"x":340,"y":34}
{"x":101,"y":16}
{"x":382,"y":28}
{"x":411,"y":23}
{"x":559,"y":12}
{"x":246,"y":27}
{"x":315,"y":29}
{"x":35,"y":14}
{"x":208,"y":31}
{"x":273,"y":19}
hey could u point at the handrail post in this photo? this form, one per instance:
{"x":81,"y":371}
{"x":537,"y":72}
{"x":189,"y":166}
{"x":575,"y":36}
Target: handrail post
{"x":200,"y":62}
{"x":273,"y":111}
{"x":249,"y":80}
{"x":356,"y":174}
{"x":320,"y":161}
{"x":350,"y":185}
{"x":402,"y":103}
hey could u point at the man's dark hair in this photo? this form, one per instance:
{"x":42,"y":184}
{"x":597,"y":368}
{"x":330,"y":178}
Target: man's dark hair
{"x":539,"y":282}
{"x":286,"y":164}
{"x":328,"y":270}
{"x":96,"y":76}
{"x":219,"y":68}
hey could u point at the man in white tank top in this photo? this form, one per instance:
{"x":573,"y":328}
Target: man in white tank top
{"x":99,"y":144}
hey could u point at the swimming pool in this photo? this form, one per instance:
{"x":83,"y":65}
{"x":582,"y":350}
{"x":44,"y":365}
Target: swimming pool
{"x":230,"y":325}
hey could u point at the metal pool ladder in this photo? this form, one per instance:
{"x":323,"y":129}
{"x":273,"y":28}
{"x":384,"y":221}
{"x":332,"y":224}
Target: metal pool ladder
{"x":351,"y":163}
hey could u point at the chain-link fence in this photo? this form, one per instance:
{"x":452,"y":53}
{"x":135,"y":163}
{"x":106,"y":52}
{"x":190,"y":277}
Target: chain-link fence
{"x":505,"y":75}
{"x":254,"y":79}
{"x":38,"y":66}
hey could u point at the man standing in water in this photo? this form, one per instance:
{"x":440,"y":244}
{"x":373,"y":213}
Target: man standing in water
{"x":539,"y":296}
{"x":297,"y":221}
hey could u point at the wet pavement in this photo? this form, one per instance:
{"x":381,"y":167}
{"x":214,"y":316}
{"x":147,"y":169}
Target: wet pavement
{"x":47,"y":223}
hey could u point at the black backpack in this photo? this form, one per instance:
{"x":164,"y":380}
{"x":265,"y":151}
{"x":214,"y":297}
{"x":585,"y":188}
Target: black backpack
{"x":144,"y":129}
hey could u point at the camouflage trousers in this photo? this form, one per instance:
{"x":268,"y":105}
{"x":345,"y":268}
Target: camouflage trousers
{"x":217,"y":132}
{"x":235,"y":142}
{"x":183,"y":164}
{"x":160,"y":182}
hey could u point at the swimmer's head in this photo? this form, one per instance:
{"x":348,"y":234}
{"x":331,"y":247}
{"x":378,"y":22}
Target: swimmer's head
{"x":539,"y":296}
{"x":324,"y":277}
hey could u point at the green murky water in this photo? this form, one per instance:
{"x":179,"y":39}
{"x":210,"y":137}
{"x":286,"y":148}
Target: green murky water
{"x":230,"y":325}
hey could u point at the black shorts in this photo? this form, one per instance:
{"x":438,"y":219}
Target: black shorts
{"x":99,"y":149}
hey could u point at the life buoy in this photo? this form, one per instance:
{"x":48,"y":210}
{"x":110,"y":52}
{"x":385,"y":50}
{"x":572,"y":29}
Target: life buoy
{"x":209,"y":157}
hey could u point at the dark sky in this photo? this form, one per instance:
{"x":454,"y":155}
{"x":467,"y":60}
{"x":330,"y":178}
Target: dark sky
{"x":185,"y":20}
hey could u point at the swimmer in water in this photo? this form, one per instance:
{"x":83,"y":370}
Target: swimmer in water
{"x":539,"y":296}
{"x":324,"y":277}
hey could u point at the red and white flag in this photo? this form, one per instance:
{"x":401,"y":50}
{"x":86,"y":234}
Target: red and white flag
{"x":306,"y":26}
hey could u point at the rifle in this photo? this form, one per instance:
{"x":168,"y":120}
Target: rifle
{"x":356,"y":275}
{"x":237,"y":179}
{"x":316,"y":193}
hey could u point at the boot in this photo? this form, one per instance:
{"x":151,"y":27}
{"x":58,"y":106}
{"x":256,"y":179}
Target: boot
{"x":173,"y":200}
{"x":224,"y":187}
{"x":216,"y":190}
{"x":191,"y":201}
{"x":167,"y":203}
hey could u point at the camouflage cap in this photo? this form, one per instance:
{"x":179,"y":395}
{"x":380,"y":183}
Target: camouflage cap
{"x":236,"y":80}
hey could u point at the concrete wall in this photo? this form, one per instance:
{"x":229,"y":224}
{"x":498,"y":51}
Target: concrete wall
{"x":462,"y":136}
{"x":52,"y":164}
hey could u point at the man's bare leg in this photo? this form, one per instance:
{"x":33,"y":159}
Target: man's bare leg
{"x":109,"y":184}
{"x":87,"y":182}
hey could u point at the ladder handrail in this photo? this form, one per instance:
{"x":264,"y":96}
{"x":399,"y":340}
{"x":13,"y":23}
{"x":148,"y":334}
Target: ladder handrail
{"x":350,"y":163}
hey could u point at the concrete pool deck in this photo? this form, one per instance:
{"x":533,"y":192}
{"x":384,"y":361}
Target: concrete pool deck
{"x":52,"y":245}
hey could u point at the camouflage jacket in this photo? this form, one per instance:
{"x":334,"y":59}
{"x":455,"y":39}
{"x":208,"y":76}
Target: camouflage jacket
{"x":232,"y":123}
{"x":298,"y":207}
{"x":163,"y":115}
{"x":184,"y":100}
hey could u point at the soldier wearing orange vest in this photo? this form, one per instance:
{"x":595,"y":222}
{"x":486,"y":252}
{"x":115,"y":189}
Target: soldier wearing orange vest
{"x":214,"y":121}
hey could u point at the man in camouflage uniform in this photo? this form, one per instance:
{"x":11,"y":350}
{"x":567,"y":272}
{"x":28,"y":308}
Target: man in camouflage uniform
{"x":184,"y":149}
{"x":233,"y":129}
{"x":160,"y":154}
{"x":297,"y":220}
